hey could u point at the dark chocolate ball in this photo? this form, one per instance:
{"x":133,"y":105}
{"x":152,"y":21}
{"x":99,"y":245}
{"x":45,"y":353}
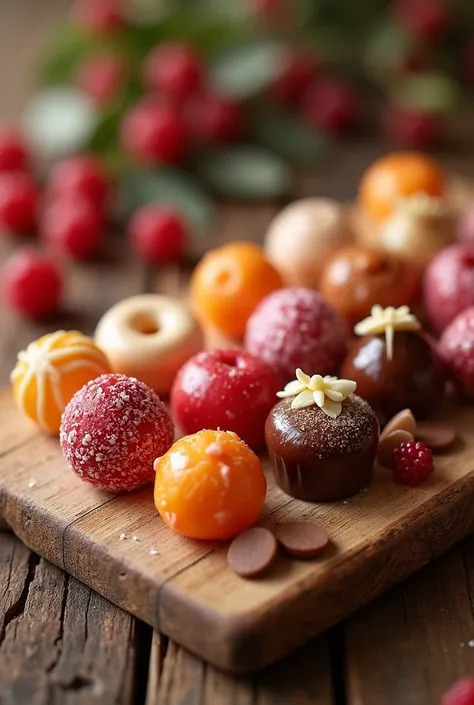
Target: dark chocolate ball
{"x":412,"y":379}
{"x":320,"y":459}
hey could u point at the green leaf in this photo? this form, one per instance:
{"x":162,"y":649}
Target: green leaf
{"x":63,"y":54}
{"x":105,"y":135}
{"x":245,"y":172}
{"x":387,"y":48}
{"x":140,"y":187}
{"x":430,"y":92}
{"x":288,"y":135}
{"x":243,"y":71}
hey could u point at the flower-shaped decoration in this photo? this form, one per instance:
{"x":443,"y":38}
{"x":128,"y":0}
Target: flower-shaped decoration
{"x":387,"y":320}
{"x":326,"y":392}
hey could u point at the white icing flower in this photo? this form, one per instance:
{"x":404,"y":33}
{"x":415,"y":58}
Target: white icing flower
{"x":387,"y":320}
{"x":326,"y":392}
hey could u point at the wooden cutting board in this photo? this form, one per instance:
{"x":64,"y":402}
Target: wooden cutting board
{"x":187,"y":591}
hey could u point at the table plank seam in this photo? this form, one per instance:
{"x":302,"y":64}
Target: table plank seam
{"x":17,"y":608}
{"x":78,"y":518}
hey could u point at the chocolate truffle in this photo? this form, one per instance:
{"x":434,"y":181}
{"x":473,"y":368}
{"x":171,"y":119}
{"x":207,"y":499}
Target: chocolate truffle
{"x":395,"y":366}
{"x":323,"y":441}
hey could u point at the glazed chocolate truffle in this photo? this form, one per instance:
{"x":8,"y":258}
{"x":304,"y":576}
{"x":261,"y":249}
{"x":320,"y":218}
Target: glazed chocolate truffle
{"x":322,"y":439}
{"x":394,"y":364}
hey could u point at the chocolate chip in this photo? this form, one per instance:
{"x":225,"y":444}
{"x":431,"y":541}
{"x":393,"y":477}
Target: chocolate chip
{"x":252,"y":552}
{"x":388,"y":443}
{"x":302,"y":538}
{"x":437,"y":435}
{"x":403,"y":421}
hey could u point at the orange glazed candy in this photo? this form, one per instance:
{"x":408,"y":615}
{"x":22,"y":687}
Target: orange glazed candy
{"x":398,"y":175}
{"x":209,"y":485}
{"x":50,"y":371}
{"x":229,"y":283}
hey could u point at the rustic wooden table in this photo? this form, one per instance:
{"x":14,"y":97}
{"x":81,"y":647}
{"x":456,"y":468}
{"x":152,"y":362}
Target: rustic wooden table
{"x":61,"y":643}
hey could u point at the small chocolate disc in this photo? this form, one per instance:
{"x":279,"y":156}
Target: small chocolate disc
{"x":388,"y":443}
{"x":302,"y":538}
{"x":252,"y":552}
{"x":437,"y":435}
{"x":403,"y":421}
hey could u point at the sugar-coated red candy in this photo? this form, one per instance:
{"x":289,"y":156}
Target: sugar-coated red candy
{"x":14,"y":154}
{"x":81,"y":175}
{"x":32,"y":284}
{"x":448,"y":287}
{"x":112,"y":430}
{"x":297,"y":328}
{"x":228,"y":390}
{"x":456,"y":348}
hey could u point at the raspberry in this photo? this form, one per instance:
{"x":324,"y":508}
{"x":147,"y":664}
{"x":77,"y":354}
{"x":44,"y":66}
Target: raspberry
{"x":158,"y":234}
{"x":19,"y":196}
{"x":101,"y":76}
{"x":13,"y":152}
{"x":412,"y":463}
{"x":73,"y":226}
{"x":411,"y":128}
{"x":428,"y":19}
{"x":80,"y":176}
{"x":32,"y":284}
{"x":173,"y":69}
{"x":330,"y":103}
{"x":153,"y":132}
{"x":456,"y":348}
{"x":98,"y":16}
{"x":460,"y":693}
{"x":289,"y":87}
{"x":211,"y":118}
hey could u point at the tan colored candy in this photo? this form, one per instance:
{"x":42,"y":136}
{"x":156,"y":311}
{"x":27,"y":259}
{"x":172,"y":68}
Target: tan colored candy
{"x":403,"y":421}
{"x":302,"y":538}
{"x":437,"y":435}
{"x":388,"y":443}
{"x":252,"y":552}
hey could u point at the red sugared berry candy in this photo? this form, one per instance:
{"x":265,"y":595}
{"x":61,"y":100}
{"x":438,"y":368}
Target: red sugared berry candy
{"x":32,"y":284}
{"x":448,"y":286}
{"x":295,"y":78}
{"x":212,"y":118}
{"x":329,"y":103}
{"x":173,"y":69}
{"x":412,"y":463}
{"x":411,"y":128}
{"x":81,"y":176}
{"x":98,"y":16}
{"x":155,"y":133}
{"x":158,"y":234}
{"x":427,"y":19}
{"x":101,"y":76}
{"x":112,"y":430}
{"x":456,"y":348}
{"x":294,"y":328}
{"x":225,"y":389}
{"x":13,"y":151}
{"x":19,"y":199}
{"x":460,"y":693}
{"x":73,"y":226}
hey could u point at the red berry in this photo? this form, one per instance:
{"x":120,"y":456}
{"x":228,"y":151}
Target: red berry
{"x":460,"y":693}
{"x":290,"y":86}
{"x":225,"y":389}
{"x":426,"y":18}
{"x":98,"y":16}
{"x":101,"y":76}
{"x":211,"y":118}
{"x":153,"y":132}
{"x":32,"y":284}
{"x":412,"y":463}
{"x":173,"y":69}
{"x":448,"y":285}
{"x":158,"y":234}
{"x":411,"y":128}
{"x":330,"y":104}
{"x":456,"y":348}
{"x":19,"y":197}
{"x":13,"y":152}
{"x":73,"y":226}
{"x":80,"y":176}
{"x":112,"y":430}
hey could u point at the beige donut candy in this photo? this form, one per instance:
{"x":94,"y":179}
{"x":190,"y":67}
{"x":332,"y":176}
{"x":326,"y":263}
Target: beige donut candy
{"x":303,"y":235}
{"x":149,"y":337}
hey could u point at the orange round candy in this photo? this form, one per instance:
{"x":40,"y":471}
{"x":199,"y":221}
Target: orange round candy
{"x":398,"y":175}
{"x":209,"y":485}
{"x":50,"y":371}
{"x":229,"y":283}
